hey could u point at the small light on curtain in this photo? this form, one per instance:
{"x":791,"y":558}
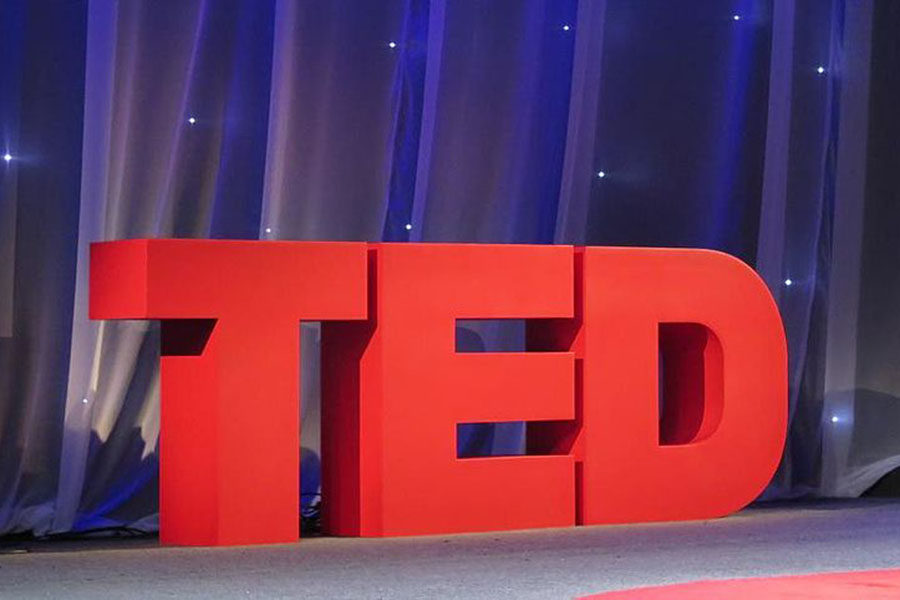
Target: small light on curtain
{"x":601,"y":174}
{"x":268,"y":230}
{"x":736,"y":17}
{"x":408,"y":226}
{"x":192,"y":120}
{"x":392,"y":45}
{"x":788,"y":282}
{"x":84,"y":400}
{"x":7,"y":157}
{"x":835,"y":419}
{"x":566,"y":27}
{"x":820,"y":70}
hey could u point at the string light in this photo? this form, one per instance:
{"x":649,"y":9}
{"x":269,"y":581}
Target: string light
{"x":566,"y":28}
{"x":7,"y":157}
{"x":408,"y":226}
{"x":835,"y":419}
{"x":268,"y":230}
{"x":820,"y":70}
{"x":788,"y":282}
{"x":392,"y":45}
{"x":84,"y":400}
{"x":192,"y":120}
{"x":736,"y":17}
{"x":601,"y":174}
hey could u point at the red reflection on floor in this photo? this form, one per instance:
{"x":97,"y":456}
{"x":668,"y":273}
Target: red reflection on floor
{"x":858,"y":585}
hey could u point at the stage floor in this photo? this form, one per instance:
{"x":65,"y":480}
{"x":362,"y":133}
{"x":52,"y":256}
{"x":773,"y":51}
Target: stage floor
{"x":554,"y":563}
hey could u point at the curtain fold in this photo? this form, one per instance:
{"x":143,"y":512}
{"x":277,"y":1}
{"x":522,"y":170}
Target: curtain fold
{"x":742,"y":126}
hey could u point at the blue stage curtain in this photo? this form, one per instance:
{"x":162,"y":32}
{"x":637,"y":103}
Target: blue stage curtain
{"x":739,"y":125}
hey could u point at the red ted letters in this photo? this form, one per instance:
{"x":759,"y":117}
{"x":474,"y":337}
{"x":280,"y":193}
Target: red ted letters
{"x":600,"y":449}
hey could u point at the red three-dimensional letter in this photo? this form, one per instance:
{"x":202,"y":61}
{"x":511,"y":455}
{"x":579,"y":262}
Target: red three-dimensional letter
{"x":229,"y":434}
{"x":394,"y":391}
{"x":720,"y":435}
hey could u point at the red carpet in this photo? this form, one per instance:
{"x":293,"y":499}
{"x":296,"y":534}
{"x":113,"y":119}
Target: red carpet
{"x":859,"y":585}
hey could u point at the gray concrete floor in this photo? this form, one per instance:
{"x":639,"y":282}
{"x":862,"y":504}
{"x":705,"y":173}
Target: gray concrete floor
{"x":552,"y":563}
